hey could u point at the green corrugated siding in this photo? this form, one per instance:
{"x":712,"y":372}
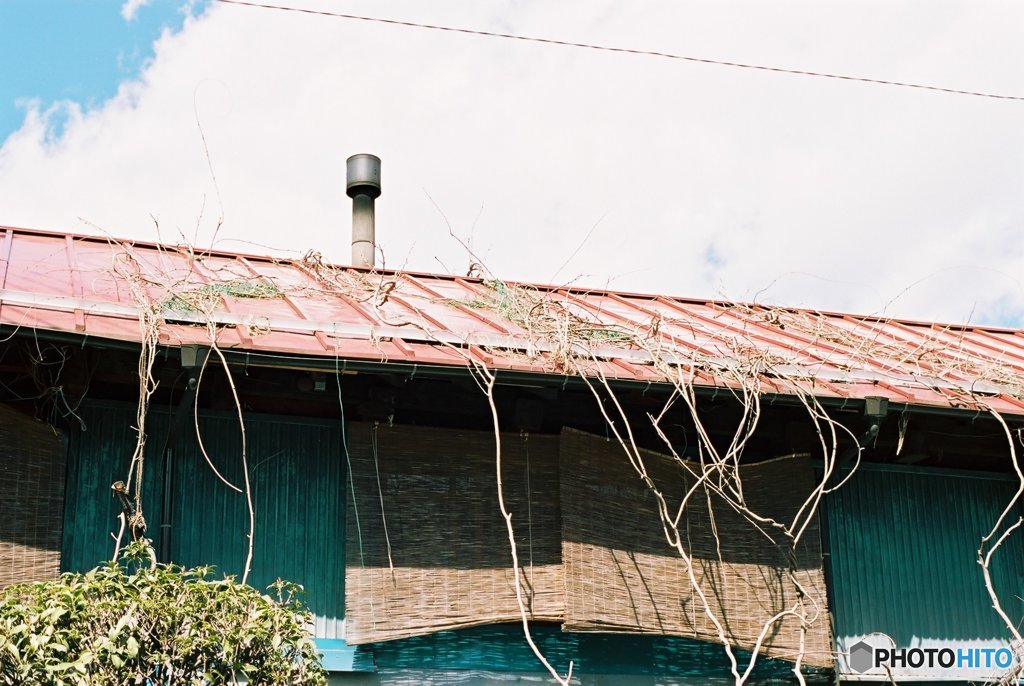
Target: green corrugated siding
{"x":97,"y":457}
{"x":297,"y":474}
{"x":903,"y":547}
{"x":502,"y":648}
{"x":298,"y":479}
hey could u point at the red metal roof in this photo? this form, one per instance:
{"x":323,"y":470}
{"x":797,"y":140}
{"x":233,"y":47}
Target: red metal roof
{"x":94,"y":286}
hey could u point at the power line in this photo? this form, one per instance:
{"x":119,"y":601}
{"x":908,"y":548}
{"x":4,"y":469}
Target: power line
{"x":630,"y":51}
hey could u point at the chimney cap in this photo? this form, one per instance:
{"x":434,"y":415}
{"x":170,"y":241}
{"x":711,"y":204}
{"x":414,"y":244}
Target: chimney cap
{"x":363,"y":175}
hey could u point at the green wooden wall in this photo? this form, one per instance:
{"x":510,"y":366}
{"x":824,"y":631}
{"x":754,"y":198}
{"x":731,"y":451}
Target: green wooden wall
{"x":903,"y":548}
{"x":299,"y":483}
{"x":297,"y":472}
{"x":502,"y":649}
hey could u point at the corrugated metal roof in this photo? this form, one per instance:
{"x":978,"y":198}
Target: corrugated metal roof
{"x":93,"y":286}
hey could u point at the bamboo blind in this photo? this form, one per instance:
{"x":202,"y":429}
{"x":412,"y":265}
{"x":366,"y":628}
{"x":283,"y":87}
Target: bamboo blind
{"x":32,"y":483}
{"x":431,"y":495}
{"x":622,"y":576}
{"x":592,"y":550}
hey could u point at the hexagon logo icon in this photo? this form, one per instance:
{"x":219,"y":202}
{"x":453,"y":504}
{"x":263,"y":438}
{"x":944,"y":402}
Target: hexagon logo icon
{"x":862,"y":657}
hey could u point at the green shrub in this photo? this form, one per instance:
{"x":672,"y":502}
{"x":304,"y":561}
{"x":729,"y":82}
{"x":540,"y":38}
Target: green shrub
{"x":132,"y":622}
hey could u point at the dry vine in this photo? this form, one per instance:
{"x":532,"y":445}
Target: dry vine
{"x":562,"y":334}
{"x":126,"y":266}
{"x":575,"y":340}
{"x":990,"y":543}
{"x":158,"y":292}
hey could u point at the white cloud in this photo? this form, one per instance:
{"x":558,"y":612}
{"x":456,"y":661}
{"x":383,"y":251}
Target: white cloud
{"x":131,"y":8}
{"x":702,"y":180}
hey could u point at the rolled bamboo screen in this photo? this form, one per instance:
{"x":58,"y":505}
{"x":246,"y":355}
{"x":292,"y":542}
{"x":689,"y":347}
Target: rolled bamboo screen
{"x":427,"y":549}
{"x":32,"y":464}
{"x":429,"y":501}
{"x":622,"y":575}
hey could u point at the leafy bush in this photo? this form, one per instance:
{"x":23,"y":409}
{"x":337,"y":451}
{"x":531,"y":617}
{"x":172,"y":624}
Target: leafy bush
{"x":132,"y":622}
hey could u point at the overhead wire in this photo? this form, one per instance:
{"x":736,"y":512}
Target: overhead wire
{"x":629,"y":51}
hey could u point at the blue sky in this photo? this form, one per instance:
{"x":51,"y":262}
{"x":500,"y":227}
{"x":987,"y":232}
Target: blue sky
{"x":78,"y":50}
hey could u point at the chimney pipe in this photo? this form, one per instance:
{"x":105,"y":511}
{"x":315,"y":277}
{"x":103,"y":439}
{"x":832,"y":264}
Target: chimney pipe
{"x":363,"y":186}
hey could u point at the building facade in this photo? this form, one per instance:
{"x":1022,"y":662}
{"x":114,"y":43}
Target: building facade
{"x":678,"y":475}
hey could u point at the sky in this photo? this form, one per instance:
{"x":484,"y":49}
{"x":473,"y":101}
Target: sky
{"x":214,"y":123}
{"x":74,"y":50}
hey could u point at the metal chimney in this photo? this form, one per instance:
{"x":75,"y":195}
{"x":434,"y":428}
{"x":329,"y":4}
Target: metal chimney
{"x":363,"y":186}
